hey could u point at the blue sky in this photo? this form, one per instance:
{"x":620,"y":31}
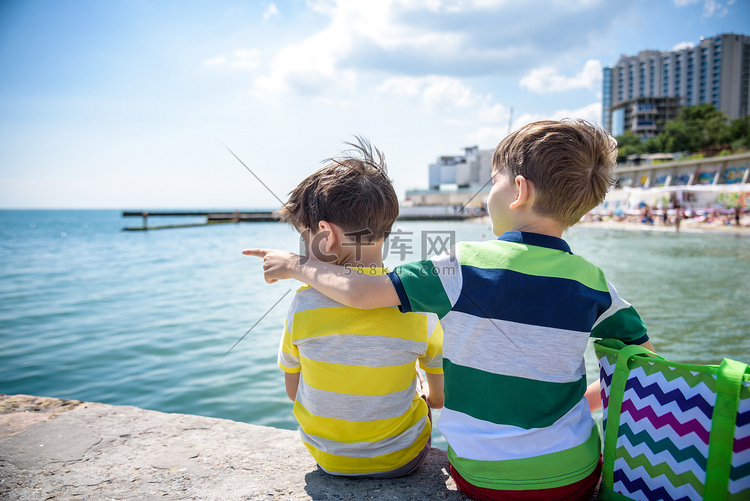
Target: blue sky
{"x":129,"y":103}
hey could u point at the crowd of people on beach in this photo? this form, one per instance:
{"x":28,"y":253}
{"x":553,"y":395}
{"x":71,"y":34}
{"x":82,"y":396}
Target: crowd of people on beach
{"x":716,"y":217}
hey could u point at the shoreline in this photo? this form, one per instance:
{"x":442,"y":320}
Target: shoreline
{"x":687,"y":226}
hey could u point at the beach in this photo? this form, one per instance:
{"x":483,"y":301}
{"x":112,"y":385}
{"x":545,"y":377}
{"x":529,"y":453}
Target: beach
{"x":691,"y":225}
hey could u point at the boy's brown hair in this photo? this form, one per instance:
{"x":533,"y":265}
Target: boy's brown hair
{"x":351,"y":190}
{"x":570,"y":163}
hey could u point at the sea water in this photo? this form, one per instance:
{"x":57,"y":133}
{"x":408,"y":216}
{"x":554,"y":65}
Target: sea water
{"x":148,"y":318}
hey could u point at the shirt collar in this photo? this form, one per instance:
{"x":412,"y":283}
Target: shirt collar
{"x":537,"y":239}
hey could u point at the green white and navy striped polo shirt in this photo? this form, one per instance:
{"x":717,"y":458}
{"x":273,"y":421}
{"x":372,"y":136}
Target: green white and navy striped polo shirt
{"x":517,"y":313}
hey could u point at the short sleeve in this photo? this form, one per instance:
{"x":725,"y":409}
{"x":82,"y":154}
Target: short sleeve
{"x":430,"y":286}
{"x":620,"y":321}
{"x":288,"y":358}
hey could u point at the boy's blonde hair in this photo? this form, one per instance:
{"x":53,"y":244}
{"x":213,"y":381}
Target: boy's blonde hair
{"x":570,"y":163}
{"x":352,"y":191}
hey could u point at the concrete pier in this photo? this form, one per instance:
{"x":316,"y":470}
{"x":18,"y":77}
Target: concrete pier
{"x":440,"y":214}
{"x":53,"y":449}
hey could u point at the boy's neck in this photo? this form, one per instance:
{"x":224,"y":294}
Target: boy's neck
{"x":542,"y":226}
{"x":553,"y":230}
{"x":365,"y":254}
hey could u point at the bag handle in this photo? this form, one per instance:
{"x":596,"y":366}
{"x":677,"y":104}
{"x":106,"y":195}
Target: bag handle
{"x":616,"y":393}
{"x":723,"y":422}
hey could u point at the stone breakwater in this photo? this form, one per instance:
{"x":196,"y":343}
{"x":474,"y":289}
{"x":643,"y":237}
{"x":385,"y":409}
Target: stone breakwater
{"x":67,"y":449}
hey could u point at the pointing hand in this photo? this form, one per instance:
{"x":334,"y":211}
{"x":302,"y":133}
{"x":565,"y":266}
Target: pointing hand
{"x":276,"y":264}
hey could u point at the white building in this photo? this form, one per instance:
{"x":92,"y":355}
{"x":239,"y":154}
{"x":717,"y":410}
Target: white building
{"x":456,"y":180}
{"x":470,"y":170}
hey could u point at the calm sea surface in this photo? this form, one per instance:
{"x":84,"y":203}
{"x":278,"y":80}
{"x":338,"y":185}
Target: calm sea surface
{"x":93,"y":313}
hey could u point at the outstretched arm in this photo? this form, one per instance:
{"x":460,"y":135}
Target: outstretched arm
{"x":345,"y":285}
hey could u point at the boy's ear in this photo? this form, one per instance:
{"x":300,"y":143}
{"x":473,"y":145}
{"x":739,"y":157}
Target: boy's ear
{"x":332,"y":236}
{"x":524,"y":192}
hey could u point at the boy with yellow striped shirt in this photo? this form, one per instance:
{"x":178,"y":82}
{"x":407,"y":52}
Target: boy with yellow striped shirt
{"x":351,"y":373}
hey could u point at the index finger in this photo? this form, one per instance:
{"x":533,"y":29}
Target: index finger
{"x":255,"y":252}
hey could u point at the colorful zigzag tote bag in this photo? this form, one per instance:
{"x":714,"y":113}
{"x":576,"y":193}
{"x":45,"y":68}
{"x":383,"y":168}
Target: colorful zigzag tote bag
{"x":673,"y":431}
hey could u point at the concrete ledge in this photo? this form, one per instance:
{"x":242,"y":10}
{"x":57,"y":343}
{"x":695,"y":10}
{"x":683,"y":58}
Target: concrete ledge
{"x":63,"y":449}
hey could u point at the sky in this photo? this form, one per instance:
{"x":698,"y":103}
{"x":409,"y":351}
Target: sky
{"x":141,"y":104}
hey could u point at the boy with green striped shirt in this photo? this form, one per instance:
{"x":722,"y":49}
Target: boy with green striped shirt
{"x":517,"y":313}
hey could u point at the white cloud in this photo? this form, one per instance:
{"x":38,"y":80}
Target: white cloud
{"x":240,"y":59}
{"x":489,"y":136}
{"x":453,"y":38}
{"x":438,"y":93}
{"x":216,"y":61}
{"x":312,"y":66}
{"x":450,"y":93}
{"x":309,"y":67}
{"x":270,"y":11}
{"x":494,"y":113}
{"x":710,"y":7}
{"x":402,"y":86}
{"x":456,"y":104}
{"x":245,"y":59}
{"x":486,"y":137}
{"x":683,"y":45}
{"x":498,"y":117}
{"x":546,"y":79}
{"x":591,"y":112}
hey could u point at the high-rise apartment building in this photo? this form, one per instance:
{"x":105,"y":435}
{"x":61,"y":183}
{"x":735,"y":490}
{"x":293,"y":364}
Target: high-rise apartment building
{"x":641,"y":93}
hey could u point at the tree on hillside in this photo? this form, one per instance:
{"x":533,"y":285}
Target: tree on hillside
{"x":628,"y":144}
{"x":658,"y":144}
{"x":697,"y":127}
{"x":739,"y":133}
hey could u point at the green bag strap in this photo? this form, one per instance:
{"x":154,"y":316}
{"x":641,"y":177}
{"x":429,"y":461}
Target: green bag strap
{"x":614,"y":406}
{"x":721,"y":440}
